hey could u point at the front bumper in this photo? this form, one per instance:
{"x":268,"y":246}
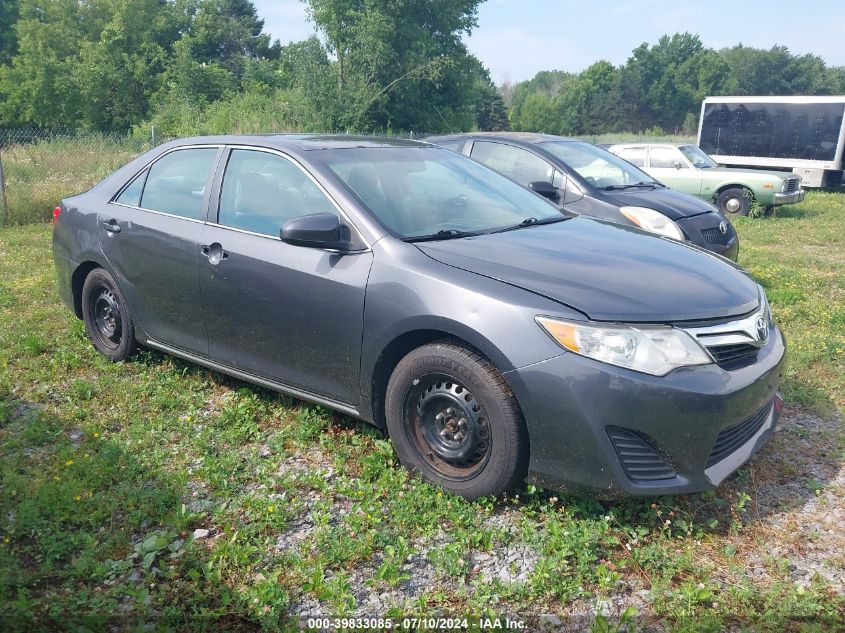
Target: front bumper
{"x":789,"y":198}
{"x":572,"y":405}
{"x":704,"y":230}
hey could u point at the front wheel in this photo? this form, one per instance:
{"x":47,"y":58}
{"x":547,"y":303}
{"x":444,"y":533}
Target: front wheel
{"x":454,"y":420}
{"x":106,"y":318}
{"x":734,"y":201}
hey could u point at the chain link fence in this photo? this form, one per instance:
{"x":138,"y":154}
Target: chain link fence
{"x":38,"y":168}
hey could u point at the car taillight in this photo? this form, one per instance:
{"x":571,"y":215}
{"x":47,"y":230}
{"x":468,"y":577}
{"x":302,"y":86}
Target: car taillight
{"x":56,"y":213}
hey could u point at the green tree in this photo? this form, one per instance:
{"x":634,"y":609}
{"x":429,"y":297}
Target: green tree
{"x":229,"y":33}
{"x":401,"y":64}
{"x":490,"y":112}
{"x":8,"y":37}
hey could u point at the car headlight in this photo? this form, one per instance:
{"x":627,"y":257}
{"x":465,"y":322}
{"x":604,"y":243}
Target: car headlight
{"x":784,"y":185}
{"x":654,"y":221}
{"x":654,"y":350}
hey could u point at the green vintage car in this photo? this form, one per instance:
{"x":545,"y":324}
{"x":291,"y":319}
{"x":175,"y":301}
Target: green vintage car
{"x":688,"y":169}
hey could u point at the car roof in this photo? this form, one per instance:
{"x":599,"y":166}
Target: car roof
{"x":527,"y":138}
{"x":648,"y":144}
{"x":301,"y":142}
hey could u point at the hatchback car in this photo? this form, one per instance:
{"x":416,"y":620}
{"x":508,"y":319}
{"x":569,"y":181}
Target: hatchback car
{"x":492,"y":336}
{"x":588,"y":180}
{"x":688,"y":169}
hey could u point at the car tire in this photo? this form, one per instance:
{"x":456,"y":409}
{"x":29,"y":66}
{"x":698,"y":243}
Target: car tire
{"x":106,"y":317}
{"x":734,"y":201}
{"x":454,"y":420}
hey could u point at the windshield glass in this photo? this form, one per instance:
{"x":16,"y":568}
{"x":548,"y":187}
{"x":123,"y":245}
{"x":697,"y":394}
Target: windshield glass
{"x":699,"y":159}
{"x":422,"y":192}
{"x":598,"y":167}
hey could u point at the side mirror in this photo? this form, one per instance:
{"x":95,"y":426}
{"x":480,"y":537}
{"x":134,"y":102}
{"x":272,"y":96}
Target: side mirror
{"x":678,"y":164}
{"x":318,"y":230}
{"x":545,"y":189}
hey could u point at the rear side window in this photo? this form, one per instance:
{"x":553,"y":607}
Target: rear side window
{"x":132,"y":194}
{"x":455,"y":146}
{"x":176,"y":183}
{"x":513,"y":162}
{"x":262,"y":191}
{"x":634,"y":155}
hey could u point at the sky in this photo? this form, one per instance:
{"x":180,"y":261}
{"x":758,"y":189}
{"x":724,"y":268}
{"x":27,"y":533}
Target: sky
{"x":517,"y":38}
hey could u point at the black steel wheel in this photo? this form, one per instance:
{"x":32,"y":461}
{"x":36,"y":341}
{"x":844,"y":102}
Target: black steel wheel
{"x":453,"y":419}
{"x":448,"y":426}
{"x":107,"y":320}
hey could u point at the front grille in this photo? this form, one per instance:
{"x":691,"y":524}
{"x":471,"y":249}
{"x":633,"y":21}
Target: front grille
{"x":792,"y":184}
{"x":640,"y":460}
{"x":736,"y":356}
{"x":731,"y":438}
{"x":715,"y":236}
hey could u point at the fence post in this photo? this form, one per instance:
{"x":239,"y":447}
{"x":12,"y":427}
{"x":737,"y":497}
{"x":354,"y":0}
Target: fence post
{"x":153,"y":135}
{"x":4,"y":203}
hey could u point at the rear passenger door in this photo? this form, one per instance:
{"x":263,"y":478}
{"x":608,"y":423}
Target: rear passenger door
{"x":291,"y":314}
{"x":148,"y":233}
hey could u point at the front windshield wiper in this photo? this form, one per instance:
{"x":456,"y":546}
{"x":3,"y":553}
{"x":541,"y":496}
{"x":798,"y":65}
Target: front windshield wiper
{"x":634,"y":185}
{"x":531,"y":222}
{"x":442,"y":234}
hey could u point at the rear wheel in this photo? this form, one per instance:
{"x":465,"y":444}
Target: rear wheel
{"x":106,"y":318}
{"x":453,"y":419}
{"x":734,"y":201}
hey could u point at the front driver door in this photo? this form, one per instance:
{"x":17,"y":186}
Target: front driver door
{"x":669,"y":166}
{"x":291,"y":314}
{"x":149,"y":234}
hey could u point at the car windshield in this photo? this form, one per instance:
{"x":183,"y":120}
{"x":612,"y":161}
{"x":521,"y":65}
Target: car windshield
{"x":699,"y":159}
{"x":597,"y":166}
{"x":432,"y":193}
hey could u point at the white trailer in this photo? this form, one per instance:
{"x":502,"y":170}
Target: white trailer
{"x":803,"y":134}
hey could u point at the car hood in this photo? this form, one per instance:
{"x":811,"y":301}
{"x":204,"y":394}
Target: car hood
{"x":673,"y":204}
{"x":607,"y":271}
{"x":753,"y":174}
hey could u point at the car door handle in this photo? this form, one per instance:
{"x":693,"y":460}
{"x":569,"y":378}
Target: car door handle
{"x":214,"y":252}
{"x":111,"y":226}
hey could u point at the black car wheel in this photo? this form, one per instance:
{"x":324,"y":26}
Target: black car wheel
{"x":734,"y":201}
{"x":453,"y":419}
{"x":107,"y":320}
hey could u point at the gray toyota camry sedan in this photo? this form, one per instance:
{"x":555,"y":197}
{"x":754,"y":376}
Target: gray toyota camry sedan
{"x":493,"y":337}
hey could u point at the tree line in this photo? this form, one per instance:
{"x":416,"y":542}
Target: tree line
{"x":190,"y":66}
{"x":207,"y":66}
{"x":660,"y":87}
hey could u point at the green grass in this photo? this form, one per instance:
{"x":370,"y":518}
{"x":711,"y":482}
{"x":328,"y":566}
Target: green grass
{"x":107,"y":469}
{"x":39,"y":173}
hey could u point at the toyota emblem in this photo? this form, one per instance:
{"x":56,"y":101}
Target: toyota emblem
{"x":723,"y":228}
{"x":762,"y":329}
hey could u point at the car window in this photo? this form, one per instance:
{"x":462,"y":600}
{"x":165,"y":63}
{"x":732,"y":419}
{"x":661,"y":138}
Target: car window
{"x":663,"y":157}
{"x":634,"y":155}
{"x":132,"y":194}
{"x":515,"y":163}
{"x":597,"y":166}
{"x":452,"y":145}
{"x":262,"y":191}
{"x":417,"y":191}
{"x":176,"y":183}
{"x":699,"y":159}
